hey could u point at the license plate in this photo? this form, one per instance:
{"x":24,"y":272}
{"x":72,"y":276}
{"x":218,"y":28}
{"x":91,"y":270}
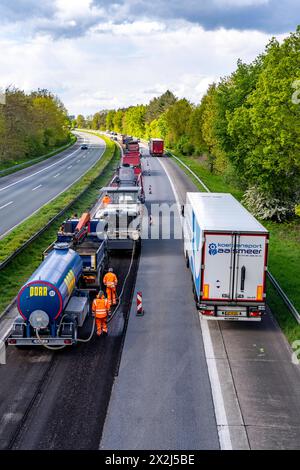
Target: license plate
{"x":232,"y":314}
{"x":42,"y":341}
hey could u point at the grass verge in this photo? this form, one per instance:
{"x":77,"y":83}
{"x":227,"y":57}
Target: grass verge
{"x":13,"y":276}
{"x":17,"y":237}
{"x":11,"y":167}
{"x":284,"y":253}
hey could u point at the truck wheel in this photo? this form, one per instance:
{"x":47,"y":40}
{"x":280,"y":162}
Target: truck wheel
{"x":195,"y":292}
{"x":187,"y":261}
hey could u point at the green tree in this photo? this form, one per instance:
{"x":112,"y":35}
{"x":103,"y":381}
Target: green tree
{"x":177,"y":120}
{"x":159,"y":105}
{"x":110,"y":120}
{"x":80,"y":121}
{"x":270,"y":123}
{"x":118,"y":121}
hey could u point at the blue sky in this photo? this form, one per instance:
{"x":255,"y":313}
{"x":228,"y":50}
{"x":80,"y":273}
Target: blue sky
{"x":97,"y":54}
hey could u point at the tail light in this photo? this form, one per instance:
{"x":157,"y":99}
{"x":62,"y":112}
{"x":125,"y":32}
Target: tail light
{"x":12,"y":341}
{"x":210,"y":313}
{"x":68,"y":341}
{"x":89,"y":279}
{"x":255,"y":314}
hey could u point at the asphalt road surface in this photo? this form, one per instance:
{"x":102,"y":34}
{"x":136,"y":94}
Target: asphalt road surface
{"x":26,"y":191}
{"x":260,"y":385}
{"x":162,"y":397}
{"x":180,"y":383}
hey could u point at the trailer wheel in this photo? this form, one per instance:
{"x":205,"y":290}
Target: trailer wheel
{"x":187,"y":261}
{"x":195,"y":292}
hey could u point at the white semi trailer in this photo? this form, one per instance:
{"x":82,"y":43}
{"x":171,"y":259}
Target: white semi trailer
{"x":226,"y":249}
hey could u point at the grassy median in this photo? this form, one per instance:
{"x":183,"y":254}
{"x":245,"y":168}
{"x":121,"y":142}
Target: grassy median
{"x":20,"y":269}
{"x":284,"y":253}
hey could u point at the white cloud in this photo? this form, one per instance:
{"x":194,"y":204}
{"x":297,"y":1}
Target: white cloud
{"x":239,"y":3}
{"x":119,"y":65}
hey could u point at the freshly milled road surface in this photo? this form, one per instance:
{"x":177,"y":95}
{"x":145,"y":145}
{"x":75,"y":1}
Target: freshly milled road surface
{"x":59,"y":400}
{"x":26,"y":191}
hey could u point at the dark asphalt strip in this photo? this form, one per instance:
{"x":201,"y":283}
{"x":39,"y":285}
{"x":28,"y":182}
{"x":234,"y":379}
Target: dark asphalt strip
{"x":62,"y":404}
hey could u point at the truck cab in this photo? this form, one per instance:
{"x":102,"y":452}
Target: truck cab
{"x":123,"y":215}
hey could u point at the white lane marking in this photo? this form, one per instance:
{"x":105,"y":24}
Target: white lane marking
{"x":173,"y":187}
{"x":58,"y":174}
{"x":38,"y":172}
{"x":37,"y":187}
{"x":192,"y":172}
{"x":5,"y":205}
{"x":69,"y":167}
{"x":54,"y":197}
{"x":220,"y":412}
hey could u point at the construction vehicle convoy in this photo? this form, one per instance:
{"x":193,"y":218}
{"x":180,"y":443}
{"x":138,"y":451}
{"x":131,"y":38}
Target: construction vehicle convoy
{"x":226,"y":249}
{"x":55,"y":303}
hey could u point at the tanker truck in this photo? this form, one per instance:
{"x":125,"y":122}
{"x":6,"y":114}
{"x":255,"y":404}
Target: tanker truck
{"x":51,"y":308}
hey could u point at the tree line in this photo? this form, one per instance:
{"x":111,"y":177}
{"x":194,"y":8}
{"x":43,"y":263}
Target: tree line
{"x":246,"y":127}
{"x":31,"y":124}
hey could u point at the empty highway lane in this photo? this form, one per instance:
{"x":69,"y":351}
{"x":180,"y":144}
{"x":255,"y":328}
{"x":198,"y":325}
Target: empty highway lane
{"x":26,"y":191}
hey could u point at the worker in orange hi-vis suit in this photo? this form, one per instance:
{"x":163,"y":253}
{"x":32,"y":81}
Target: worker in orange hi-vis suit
{"x":100,"y":310}
{"x":110,"y":280}
{"x":106,"y":200}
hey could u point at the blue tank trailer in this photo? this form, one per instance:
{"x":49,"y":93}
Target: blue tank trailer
{"x":56,"y":301}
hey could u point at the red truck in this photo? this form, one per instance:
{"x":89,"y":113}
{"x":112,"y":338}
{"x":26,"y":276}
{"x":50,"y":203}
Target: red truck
{"x":133,"y":146}
{"x":156,"y":147}
{"x":133,"y":159}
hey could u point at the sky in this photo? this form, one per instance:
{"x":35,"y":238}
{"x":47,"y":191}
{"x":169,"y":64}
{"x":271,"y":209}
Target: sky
{"x":98,"y":54}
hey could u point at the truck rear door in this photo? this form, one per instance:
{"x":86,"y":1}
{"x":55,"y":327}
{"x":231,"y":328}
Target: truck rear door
{"x":250,"y":267}
{"x":217,"y":267}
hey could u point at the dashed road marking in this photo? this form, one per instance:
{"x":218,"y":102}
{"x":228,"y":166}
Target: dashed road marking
{"x":38,"y":172}
{"x":37,"y":187}
{"x":5,"y":205}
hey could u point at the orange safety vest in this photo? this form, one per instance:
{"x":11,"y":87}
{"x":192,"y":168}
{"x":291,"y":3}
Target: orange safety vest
{"x":106,"y":200}
{"x":110,"y":280}
{"x":100,"y":307}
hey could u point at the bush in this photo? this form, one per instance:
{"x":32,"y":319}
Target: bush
{"x":264,"y":206}
{"x":184,"y":146}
